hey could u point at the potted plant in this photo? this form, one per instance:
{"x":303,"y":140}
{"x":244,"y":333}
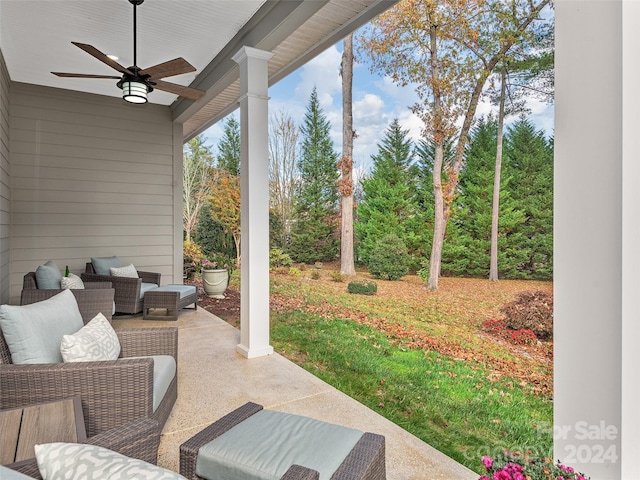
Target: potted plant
{"x":216,"y":269}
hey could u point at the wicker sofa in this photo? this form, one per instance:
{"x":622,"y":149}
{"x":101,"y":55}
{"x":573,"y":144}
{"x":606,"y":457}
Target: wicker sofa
{"x":112,"y":392}
{"x":136,"y":439}
{"x":95,"y":297}
{"x":127,"y":294}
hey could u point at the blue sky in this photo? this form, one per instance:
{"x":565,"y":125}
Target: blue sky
{"x":376,"y":102}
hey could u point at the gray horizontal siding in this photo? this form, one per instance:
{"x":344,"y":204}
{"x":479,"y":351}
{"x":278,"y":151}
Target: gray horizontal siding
{"x":91,"y":176}
{"x":5,"y":185}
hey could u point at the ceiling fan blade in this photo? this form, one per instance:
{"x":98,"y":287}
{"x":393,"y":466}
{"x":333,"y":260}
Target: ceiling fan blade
{"x":102,"y":57}
{"x":177,"y":66}
{"x":186,"y":92}
{"x":82,"y":75}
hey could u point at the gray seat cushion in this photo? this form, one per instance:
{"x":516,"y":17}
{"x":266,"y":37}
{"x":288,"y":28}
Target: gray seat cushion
{"x":184,"y":290}
{"x":145,"y":287}
{"x":164,"y":369}
{"x":265,"y":445}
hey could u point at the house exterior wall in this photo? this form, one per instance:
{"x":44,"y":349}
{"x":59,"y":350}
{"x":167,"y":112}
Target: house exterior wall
{"x":92,"y":176}
{"x":5,"y":190}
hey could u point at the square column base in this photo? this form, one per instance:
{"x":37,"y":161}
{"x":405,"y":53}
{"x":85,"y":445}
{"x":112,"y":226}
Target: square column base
{"x":254,"y":352}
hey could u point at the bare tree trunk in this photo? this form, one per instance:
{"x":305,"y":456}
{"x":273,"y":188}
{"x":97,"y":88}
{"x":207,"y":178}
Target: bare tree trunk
{"x":440,"y":221}
{"x":283,"y":146}
{"x":495,"y":212}
{"x":347,"y":266}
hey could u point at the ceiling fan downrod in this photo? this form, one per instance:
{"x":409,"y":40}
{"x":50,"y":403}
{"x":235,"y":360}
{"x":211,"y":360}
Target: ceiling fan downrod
{"x":135,"y":3}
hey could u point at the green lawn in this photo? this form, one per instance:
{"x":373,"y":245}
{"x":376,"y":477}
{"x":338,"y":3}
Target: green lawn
{"x":462,"y":404}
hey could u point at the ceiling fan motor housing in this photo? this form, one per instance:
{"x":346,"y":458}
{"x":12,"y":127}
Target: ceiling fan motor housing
{"x":130,"y":77}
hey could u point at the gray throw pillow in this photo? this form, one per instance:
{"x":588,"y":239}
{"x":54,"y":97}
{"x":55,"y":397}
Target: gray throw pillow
{"x":102,"y":265}
{"x":48,"y":276}
{"x":9,"y":474}
{"x":34,"y":332}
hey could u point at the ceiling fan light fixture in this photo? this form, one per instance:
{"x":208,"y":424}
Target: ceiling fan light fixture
{"x":134,"y":92}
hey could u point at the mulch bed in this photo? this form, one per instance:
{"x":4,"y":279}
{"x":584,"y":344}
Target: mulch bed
{"x":227,"y":309}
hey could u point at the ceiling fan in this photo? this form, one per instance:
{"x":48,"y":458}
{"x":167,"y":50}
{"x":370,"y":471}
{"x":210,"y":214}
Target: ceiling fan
{"x":135,"y":82}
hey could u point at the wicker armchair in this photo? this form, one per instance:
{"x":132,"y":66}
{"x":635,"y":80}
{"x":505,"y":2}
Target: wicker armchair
{"x":112,"y":392}
{"x":366,"y":461}
{"x":127,"y":290}
{"x":95,"y":297}
{"x":136,"y":439}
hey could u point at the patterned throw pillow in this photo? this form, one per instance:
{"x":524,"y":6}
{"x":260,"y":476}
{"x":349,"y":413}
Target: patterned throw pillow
{"x":77,"y":461}
{"x":72,"y":282}
{"x":128,"y":271}
{"x":96,"y":341}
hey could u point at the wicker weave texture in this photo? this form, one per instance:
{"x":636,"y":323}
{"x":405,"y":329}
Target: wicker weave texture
{"x":127,"y":290}
{"x":112,"y":392}
{"x":96,"y":297}
{"x":366,"y":461}
{"x":136,"y":439}
{"x":170,"y":301}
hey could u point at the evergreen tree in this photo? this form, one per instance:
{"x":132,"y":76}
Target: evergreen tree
{"x":314,"y":235}
{"x":388,"y":205}
{"x":229,"y":147}
{"x":212,"y":236}
{"x":530,"y":165}
{"x":467,"y":250}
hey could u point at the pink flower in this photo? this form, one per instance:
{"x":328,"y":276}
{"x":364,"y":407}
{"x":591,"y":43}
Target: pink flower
{"x":502,"y":475}
{"x":487,"y":461}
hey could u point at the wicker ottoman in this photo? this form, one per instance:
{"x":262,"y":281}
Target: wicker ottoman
{"x":252,"y":443}
{"x":171,"y":298}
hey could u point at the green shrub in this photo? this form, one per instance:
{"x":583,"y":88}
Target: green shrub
{"x":277,"y":258}
{"x":363,"y":287}
{"x":389,"y":258}
{"x":191,"y":258}
{"x":531,"y":311}
{"x":315,"y":275}
{"x":336,"y":276}
{"x":423,"y":271}
{"x":295,"y":272}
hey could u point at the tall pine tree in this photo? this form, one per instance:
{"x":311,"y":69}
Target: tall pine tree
{"x":229,"y":147}
{"x":468,"y":246}
{"x":388,"y":205}
{"x":530,"y":165}
{"x":314,"y":236}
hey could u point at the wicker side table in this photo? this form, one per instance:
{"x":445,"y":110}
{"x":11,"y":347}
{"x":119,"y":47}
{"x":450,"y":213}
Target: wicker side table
{"x":171,"y":298}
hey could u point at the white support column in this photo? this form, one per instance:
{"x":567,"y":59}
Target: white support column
{"x":597,"y":238}
{"x":630,"y":413}
{"x":254,"y":189}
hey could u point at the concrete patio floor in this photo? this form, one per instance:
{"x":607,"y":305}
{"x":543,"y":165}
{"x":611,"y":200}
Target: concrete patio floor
{"x":213,"y":380}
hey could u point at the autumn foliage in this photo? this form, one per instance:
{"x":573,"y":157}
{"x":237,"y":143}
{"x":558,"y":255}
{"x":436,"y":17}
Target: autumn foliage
{"x":532,"y":311}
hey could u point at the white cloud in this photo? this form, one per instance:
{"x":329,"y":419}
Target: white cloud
{"x":323,"y":73}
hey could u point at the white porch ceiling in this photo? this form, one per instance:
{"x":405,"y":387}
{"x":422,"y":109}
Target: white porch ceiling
{"x":36,"y":36}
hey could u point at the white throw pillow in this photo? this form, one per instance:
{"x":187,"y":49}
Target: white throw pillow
{"x":96,"y":341}
{"x":77,"y":461}
{"x":73,"y":281}
{"x":128,"y":271}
